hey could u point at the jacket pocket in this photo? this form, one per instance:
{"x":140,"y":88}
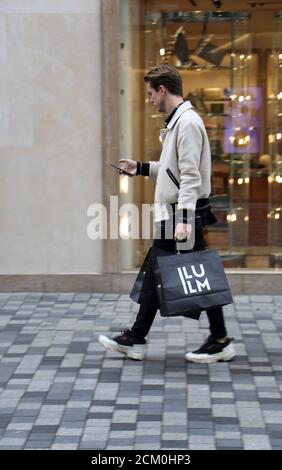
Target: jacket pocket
{"x":172,"y":177}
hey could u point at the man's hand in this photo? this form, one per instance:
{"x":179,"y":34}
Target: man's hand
{"x":182,"y":231}
{"x":130,"y":166}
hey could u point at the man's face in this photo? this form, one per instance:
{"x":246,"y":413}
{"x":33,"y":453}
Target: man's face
{"x":157,"y":98}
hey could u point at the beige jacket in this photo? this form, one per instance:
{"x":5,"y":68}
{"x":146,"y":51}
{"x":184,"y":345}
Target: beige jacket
{"x":186,"y":152}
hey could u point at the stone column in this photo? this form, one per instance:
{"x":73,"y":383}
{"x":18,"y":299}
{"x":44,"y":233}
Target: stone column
{"x":110,"y":24}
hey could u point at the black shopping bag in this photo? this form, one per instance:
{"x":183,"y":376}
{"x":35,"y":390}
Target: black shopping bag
{"x":143,"y":287}
{"x":190,"y":283}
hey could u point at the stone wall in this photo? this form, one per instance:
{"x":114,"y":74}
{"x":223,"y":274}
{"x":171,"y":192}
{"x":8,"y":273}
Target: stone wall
{"x":50,"y":135}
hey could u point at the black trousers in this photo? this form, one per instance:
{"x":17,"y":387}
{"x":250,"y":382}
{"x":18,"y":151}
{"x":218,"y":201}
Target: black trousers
{"x":147,"y":311}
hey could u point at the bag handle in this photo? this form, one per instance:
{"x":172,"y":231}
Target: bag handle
{"x":205,"y":38}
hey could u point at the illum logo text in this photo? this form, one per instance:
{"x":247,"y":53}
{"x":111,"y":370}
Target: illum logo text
{"x":193,"y":283}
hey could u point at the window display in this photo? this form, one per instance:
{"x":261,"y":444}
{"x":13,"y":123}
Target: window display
{"x":229,"y":109}
{"x":274,"y":158}
{"x":231,"y":64}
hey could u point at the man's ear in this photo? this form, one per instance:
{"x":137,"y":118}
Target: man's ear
{"x":162,"y":89}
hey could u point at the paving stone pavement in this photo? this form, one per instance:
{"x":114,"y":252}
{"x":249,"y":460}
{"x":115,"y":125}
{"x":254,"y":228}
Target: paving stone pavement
{"x":59,"y":389}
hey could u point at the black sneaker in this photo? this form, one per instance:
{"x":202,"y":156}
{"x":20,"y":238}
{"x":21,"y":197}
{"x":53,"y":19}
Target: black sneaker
{"x":126,"y":344}
{"x":212,"y":351}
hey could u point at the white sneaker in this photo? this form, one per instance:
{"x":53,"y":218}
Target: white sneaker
{"x":212,"y":351}
{"x":125,"y":344}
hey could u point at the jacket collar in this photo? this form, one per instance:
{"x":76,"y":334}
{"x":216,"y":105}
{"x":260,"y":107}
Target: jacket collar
{"x":184,"y":107}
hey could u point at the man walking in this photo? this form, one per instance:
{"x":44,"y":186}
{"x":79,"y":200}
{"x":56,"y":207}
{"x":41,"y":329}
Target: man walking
{"x":181,"y":203}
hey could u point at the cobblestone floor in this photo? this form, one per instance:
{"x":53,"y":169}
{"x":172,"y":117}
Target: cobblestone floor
{"x":59,"y":389}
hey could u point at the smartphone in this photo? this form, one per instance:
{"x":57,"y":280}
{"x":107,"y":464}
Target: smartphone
{"x":119,"y":168}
